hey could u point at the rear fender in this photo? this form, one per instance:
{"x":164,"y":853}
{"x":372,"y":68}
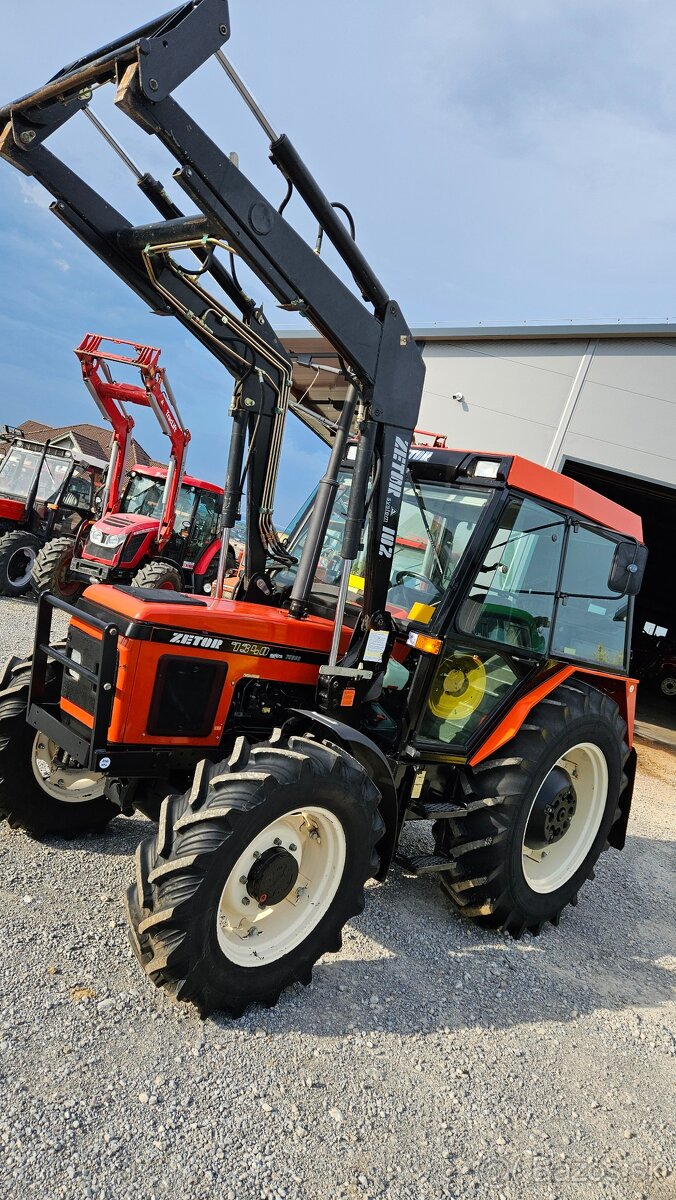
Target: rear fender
{"x":621,"y":689}
{"x":13,"y":511}
{"x":374,"y":763}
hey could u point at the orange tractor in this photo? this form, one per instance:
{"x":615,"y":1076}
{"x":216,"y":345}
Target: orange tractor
{"x":444,"y":636}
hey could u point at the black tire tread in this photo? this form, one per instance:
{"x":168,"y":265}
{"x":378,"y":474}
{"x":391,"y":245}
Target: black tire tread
{"x":44,"y":577}
{"x":493,"y":791}
{"x":9,"y":543}
{"x":171,"y":866}
{"x":153,"y":573}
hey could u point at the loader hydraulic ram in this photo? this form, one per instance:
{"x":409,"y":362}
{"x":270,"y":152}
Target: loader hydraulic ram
{"x":443,"y":635}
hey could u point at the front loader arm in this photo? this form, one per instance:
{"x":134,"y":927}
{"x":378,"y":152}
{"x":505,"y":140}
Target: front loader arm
{"x":95,"y":354}
{"x":367,"y":329}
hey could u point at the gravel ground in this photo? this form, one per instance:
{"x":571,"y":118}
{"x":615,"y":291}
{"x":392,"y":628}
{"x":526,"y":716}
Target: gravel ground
{"x":428,"y":1059}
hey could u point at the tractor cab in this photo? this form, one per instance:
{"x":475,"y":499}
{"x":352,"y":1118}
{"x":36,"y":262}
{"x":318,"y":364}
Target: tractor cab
{"x":119,"y":543}
{"x":499,"y":566}
{"x":37,"y":478}
{"x":45,"y":493}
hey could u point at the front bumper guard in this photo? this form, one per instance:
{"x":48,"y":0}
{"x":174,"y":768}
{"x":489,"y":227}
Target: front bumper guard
{"x":88,"y":750}
{"x":90,"y":572}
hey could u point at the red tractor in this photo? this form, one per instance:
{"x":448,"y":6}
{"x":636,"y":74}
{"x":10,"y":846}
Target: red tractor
{"x":161,"y":531}
{"x":45,"y":494}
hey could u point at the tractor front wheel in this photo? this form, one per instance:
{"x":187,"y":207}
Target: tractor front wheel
{"x":51,"y":570}
{"x":160,"y":576}
{"x":18,"y":550}
{"x":40,"y":790}
{"x":254,"y":872}
{"x":538,"y":814}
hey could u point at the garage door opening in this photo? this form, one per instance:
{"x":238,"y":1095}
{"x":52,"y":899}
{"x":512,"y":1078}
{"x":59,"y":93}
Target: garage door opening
{"x":654,"y":636}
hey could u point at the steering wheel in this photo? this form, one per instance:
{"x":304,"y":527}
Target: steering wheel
{"x":402,"y":575}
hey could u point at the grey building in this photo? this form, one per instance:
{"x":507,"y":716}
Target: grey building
{"x":595,"y":402}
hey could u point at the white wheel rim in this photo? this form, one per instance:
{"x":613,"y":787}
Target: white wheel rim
{"x":549,"y":869}
{"x":69,"y":785}
{"x":28,"y":553}
{"x":252,"y":936}
{"x":668,"y":686}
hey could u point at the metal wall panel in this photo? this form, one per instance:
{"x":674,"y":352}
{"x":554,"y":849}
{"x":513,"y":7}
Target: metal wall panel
{"x":515,"y":394}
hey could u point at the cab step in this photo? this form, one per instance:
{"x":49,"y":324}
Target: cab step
{"x":424,"y":864}
{"x":434,"y":810}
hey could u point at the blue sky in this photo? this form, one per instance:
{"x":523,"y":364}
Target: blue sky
{"x":506,"y":161}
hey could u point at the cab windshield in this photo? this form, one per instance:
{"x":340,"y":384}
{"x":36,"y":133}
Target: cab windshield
{"x":143,"y":497}
{"x":18,"y":469}
{"x":435,"y":526}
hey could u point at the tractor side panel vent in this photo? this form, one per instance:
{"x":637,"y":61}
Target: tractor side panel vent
{"x":186,"y":696}
{"x":132,"y":548}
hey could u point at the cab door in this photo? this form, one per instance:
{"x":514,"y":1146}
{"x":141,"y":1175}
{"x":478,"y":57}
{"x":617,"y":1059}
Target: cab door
{"x":501,"y":630}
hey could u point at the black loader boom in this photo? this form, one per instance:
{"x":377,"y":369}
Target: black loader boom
{"x":227,"y":214}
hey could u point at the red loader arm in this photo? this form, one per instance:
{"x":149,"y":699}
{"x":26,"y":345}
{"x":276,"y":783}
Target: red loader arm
{"x":110,"y":398}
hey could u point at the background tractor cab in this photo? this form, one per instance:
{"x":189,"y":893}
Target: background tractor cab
{"x":161,"y":530}
{"x":45,"y":493}
{"x":122,"y":544}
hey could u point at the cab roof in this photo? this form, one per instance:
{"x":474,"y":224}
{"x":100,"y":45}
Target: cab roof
{"x":540,"y":482}
{"x":190,"y":480}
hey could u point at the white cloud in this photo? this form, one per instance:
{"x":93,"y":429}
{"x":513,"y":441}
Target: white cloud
{"x":61,"y":263}
{"x":33,"y":193}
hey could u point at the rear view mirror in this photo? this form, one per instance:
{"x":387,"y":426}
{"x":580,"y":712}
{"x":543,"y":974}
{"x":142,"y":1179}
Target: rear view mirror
{"x":627,"y":568}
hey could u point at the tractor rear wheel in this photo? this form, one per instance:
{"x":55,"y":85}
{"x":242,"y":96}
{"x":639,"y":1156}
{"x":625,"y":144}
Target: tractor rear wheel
{"x":159,"y":575}
{"x":538,"y":814}
{"x":39,"y":791}
{"x":51,"y":570}
{"x":254,"y":872}
{"x":18,"y":550}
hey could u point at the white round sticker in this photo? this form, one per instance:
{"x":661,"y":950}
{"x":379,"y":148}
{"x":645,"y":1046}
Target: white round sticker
{"x":104,"y":763}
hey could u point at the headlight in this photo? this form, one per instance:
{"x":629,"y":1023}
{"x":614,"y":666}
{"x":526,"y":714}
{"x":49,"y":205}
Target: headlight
{"x":99,"y":538}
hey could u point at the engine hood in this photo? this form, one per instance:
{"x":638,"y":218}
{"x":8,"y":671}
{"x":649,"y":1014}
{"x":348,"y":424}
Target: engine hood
{"x":126,"y":523}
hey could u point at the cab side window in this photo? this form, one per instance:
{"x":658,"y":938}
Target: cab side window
{"x":512,"y":598}
{"x":78,"y":491}
{"x":591,"y":621}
